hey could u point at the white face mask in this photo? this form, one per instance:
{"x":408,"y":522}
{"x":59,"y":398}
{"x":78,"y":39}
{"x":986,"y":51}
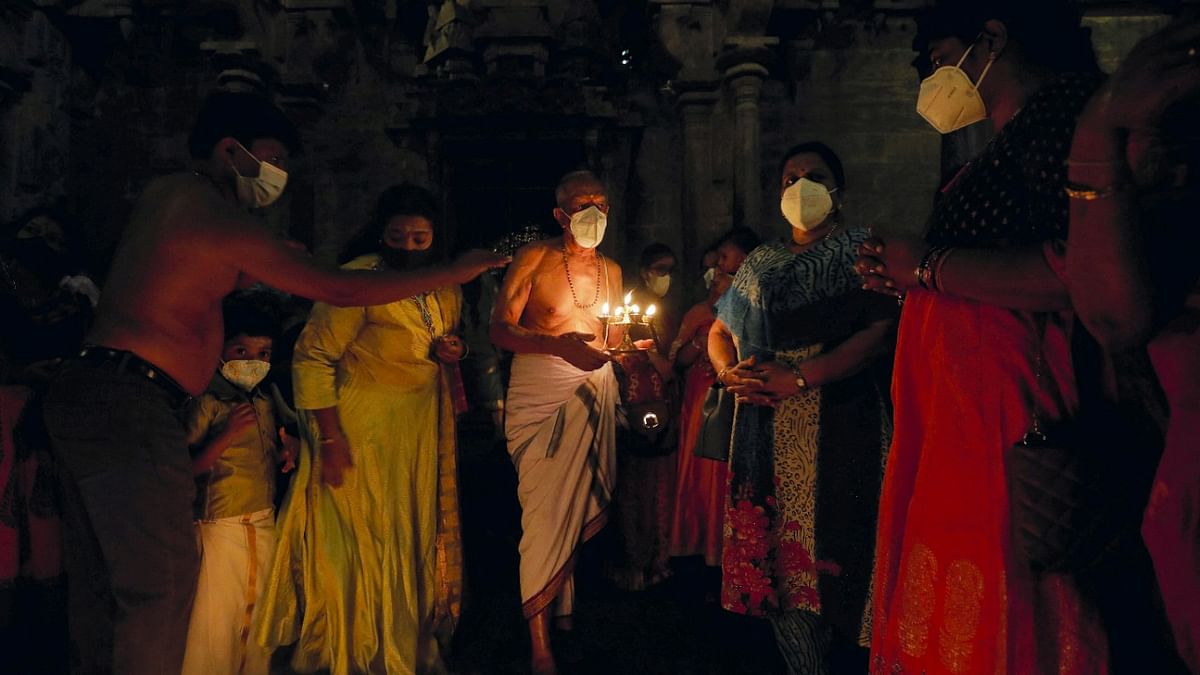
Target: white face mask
{"x":262,"y":190}
{"x":948,"y":100}
{"x":709,"y":274}
{"x":245,"y":373}
{"x":659,"y":285}
{"x":806,"y":204}
{"x":587,"y":227}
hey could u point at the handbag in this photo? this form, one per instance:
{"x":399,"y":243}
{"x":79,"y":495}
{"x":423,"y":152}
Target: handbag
{"x":716,"y":425}
{"x":646,"y":425}
{"x":1077,"y":487}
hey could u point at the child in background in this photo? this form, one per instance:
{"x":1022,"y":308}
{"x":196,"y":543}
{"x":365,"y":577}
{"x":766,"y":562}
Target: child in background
{"x":235,"y":431}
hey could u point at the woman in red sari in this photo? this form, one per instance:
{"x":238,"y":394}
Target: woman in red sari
{"x":697,"y":524}
{"x":980,"y":304}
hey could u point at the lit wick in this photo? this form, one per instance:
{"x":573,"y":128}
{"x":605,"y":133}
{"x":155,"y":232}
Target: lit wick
{"x":649,"y":320}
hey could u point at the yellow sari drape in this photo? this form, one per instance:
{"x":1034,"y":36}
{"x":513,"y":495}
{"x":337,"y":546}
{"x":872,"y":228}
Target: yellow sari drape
{"x":368,"y":576}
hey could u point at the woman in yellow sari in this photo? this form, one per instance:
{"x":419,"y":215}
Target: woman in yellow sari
{"x":368,"y":573}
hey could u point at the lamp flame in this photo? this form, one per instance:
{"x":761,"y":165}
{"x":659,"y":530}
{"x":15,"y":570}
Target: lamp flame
{"x":629,"y":297}
{"x":651,"y":310}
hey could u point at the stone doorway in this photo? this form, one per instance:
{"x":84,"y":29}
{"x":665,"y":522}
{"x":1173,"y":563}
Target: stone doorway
{"x":494,"y":187}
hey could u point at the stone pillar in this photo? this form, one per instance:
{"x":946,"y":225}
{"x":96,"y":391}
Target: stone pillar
{"x":744,"y":72}
{"x":688,"y":32}
{"x":13,"y":86}
{"x":700,"y":227}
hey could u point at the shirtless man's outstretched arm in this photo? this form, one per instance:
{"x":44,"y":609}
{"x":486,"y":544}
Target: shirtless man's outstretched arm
{"x":112,"y":413}
{"x":190,"y":241}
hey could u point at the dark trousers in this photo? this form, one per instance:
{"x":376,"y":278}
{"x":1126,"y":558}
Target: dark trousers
{"x":130,"y":552}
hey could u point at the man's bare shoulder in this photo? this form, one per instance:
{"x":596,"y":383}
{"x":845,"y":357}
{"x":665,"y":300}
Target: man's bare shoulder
{"x":180,"y":188}
{"x":534,"y":252}
{"x":182,"y":202}
{"x":530,"y":258}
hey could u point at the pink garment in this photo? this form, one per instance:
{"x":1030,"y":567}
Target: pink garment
{"x":1171,"y":526}
{"x":697,"y":526}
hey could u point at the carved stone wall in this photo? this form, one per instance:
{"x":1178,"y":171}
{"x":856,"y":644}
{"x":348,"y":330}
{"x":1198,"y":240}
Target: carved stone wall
{"x":684,"y":106}
{"x":35,"y":81}
{"x":857,"y":94}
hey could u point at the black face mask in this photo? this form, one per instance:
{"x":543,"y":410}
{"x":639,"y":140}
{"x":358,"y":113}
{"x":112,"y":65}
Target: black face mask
{"x":400,"y":259}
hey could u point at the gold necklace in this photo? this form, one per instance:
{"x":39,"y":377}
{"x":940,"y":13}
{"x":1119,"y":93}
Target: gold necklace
{"x":800,"y":248}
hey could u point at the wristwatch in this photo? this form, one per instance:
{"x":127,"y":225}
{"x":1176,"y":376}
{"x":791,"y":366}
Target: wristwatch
{"x":801,"y":383}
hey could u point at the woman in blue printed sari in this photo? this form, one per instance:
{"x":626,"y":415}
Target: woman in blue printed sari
{"x":794,"y":339}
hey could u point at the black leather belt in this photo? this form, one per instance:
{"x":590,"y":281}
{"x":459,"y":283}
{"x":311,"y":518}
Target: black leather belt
{"x":126,"y":361}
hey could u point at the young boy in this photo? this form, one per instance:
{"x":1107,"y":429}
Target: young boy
{"x":237,"y":439}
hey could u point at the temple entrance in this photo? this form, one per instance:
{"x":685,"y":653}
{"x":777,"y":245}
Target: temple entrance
{"x":499,"y":186}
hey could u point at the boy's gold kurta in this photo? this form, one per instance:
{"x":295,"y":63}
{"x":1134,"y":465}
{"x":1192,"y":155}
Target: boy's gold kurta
{"x":368,"y":575}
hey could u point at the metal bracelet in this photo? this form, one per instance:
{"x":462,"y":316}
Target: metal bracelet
{"x":1088,"y":193}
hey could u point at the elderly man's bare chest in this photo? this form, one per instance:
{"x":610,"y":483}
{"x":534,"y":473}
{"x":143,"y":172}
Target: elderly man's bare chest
{"x":557,"y":296}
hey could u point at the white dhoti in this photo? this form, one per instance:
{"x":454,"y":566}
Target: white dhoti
{"x":235,"y":557}
{"x":561,"y":430}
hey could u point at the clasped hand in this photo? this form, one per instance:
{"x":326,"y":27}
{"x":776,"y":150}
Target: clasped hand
{"x":890,"y":267}
{"x":767,"y":383}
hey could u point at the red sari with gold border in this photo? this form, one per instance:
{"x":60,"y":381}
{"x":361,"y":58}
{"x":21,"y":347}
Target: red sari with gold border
{"x":949,"y":596}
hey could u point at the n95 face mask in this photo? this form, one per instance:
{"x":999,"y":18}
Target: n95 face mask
{"x":948,"y":100}
{"x":806,"y":204}
{"x":587,"y":227}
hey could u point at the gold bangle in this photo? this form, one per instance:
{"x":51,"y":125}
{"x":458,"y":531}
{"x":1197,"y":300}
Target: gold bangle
{"x":936,"y":271}
{"x":1088,"y":193}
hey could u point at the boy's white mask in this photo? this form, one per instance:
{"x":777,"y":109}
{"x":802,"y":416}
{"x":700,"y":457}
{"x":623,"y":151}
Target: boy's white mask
{"x":246,"y":374}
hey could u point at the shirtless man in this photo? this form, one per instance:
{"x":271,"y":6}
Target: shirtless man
{"x":562,"y":398}
{"x":113,"y":412}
